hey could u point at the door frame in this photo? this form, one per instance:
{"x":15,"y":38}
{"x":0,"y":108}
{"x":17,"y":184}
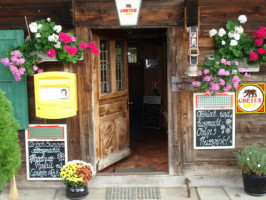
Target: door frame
{"x":174,"y":157}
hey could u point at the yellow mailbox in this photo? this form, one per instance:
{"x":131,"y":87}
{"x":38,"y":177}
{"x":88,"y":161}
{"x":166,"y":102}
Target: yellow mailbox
{"x":55,"y":95}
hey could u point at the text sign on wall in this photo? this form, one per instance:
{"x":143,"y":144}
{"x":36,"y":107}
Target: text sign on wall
{"x":214,"y":121}
{"x":250,"y":98}
{"x":128,"y":12}
{"x":46,"y":151}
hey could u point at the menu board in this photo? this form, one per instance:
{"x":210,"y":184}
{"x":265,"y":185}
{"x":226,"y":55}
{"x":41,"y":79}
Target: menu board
{"x":214,"y":121}
{"x":46,"y":151}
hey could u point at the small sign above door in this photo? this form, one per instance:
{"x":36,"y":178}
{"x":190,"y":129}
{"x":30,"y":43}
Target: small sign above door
{"x":128,"y":12}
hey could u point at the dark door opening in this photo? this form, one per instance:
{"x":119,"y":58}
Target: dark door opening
{"x":147,"y":76}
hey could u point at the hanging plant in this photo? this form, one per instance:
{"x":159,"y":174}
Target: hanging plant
{"x":48,"y":39}
{"x":221,"y":73}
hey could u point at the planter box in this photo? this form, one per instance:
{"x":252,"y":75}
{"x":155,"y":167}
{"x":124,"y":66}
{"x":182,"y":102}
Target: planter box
{"x":249,"y":68}
{"x":45,"y":58}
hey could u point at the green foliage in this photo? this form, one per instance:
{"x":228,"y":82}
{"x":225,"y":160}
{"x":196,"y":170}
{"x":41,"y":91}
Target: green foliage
{"x":9,"y":146}
{"x":252,"y":160}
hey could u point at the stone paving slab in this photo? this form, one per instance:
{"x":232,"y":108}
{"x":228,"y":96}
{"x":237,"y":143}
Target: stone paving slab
{"x":211,"y":193}
{"x":238,"y":193}
{"x":31,"y":194}
{"x":94,"y":194}
{"x":178,"y":194}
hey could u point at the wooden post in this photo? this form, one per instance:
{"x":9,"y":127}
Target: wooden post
{"x":13,"y":192}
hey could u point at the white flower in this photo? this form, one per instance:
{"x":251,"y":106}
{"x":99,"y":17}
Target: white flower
{"x":242,"y":19}
{"x":236,"y":36}
{"x":231,"y":34}
{"x":49,"y":19}
{"x":221,"y":32}
{"x":258,"y":165}
{"x":223,"y":42}
{"x":247,"y":158}
{"x":39,"y":26}
{"x":233,"y":43}
{"x":212,"y":32}
{"x":38,"y":35}
{"x":33,"y":27}
{"x":57,"y":45}
{"x":58,"y":28}
{"x":53,"y":38}
{"x":239,"y":29}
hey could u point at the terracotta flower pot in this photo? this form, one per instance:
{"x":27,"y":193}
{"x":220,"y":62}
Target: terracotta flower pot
{"x":77,"y":192}
{"x":254,"y":185}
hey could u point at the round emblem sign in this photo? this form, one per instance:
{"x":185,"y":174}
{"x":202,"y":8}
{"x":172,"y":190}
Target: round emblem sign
{"x":250,"y":98}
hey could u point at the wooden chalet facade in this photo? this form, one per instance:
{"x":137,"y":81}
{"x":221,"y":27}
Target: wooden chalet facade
{"x":96,"y":20}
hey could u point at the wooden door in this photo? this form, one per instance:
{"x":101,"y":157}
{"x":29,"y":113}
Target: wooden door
{"x":16,"y":91}
{"x":111,"y":112}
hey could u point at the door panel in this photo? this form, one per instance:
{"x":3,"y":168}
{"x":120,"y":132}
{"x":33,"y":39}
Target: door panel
{"x":111,"y":101}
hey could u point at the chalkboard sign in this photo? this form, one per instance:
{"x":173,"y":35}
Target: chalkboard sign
{"x":214,"y":121}
{"x":152,"y":112}
{"x":45,"y":151}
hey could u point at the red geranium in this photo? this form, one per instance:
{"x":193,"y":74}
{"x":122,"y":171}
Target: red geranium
{"x":72,"y":50}
{"x":261,"y":51}
{"x":51,"y":53}
{"x":260,"y":33}
{"x":253,"y":56}
{"x":258,"y":41}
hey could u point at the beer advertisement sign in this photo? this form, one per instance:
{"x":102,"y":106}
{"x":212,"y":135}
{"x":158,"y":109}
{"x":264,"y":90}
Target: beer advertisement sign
{"x":250,"y":98}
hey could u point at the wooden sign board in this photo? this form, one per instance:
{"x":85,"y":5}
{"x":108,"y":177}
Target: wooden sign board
{"x":214,"y":121}
{"x":46,"y":151}
{"x":250,"y":98}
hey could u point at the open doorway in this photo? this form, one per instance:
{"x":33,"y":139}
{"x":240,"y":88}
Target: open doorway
{"x":147,"y":85}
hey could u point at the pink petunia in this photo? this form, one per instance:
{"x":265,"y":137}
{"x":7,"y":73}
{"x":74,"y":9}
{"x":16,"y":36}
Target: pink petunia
{"x":221,"y":72}
{"x":242,"y":70}
{"x":222,"y":82}
{"x":214,"y":86}
{"x":247,"y":74}
{"x":73,"y":39}
{"x":196,"y":84}
{"x":16,"y":53}
{"x":199,"y":73}
{"x":236,"y":63}
{"x":228,"y":63}
{"x":208,"y":91}
{"x":236,"y":79}
{"x":217,"y":63}
{"x":15,"y":60}
{"x":234,"y":72}
{"x":207,"y":78}
{"x":227,"y":73}
{"x":51,"y":53}
{"x":40,"y":70}
{"x":82,"y":45}
{"x":34,"y":67}
{"x":21,"y":61}
{"x":206,"y":71}
{"x":72,"y":50}
{"x":223,"y":60}
{"x":5,"y":61}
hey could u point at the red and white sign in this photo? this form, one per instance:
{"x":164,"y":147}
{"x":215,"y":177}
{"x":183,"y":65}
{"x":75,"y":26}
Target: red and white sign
{"x":251,"y":98}
{"x":128,"y":12}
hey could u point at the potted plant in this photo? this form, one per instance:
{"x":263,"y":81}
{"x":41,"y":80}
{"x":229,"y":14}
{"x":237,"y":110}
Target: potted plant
{"x":10,"y":151}
{"x":76,"y":175}
{"x":252,"y":161}
{"x":49,"y":40}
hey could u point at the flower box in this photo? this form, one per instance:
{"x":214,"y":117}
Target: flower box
{"x":249,"y":68}
{"x":45,"y":58}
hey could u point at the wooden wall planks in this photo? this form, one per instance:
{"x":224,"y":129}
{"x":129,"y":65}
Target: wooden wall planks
{"x":104,"y":15}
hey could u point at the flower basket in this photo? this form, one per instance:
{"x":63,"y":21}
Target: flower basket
{"x":247,"y":67}
{"x":45,"y":58}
